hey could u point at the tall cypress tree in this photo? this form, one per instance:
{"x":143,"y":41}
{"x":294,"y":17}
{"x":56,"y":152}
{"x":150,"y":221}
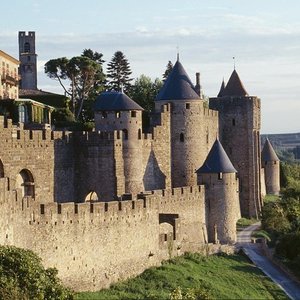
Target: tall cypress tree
{"x":169,"y":68}
{"x":118,"y":73}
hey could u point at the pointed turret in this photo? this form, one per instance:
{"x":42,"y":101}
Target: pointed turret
{"x":271,"y":167}
{"x":217,"y":161}
{"x":268,"y":153}
{"x":221,"y":195}
{"x":222,"y":89}
{"x":178,"y":86}
{"x":235,"y":86}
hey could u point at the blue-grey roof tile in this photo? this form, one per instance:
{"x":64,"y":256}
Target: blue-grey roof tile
{"x":178,"y":86}
{"x":217,"y":161}
{"x":115,"y":101}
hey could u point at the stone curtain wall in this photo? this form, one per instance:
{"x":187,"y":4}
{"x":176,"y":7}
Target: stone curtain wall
{"x":95,"y":244}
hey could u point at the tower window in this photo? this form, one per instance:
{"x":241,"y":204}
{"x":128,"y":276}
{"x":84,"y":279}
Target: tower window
{"x":133,"y":114}
{"x":220,"y":176}
{"x":26,"y":47}
{"x":139,"y":134}
{"x":187,"y":105}
{"x":233,"y":122}
{"x":181,"y":137}
{"x":125,"y":134}
{"x":118,"y":114}
{"x":28,"y":58}
{"x":104,"y":115}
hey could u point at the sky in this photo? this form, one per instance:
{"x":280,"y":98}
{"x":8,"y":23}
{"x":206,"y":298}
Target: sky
{"x":262,"y":35}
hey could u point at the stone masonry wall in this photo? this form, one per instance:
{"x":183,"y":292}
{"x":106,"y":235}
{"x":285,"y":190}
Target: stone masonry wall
{"x":95,"y":244}
{"x":194,"y":129}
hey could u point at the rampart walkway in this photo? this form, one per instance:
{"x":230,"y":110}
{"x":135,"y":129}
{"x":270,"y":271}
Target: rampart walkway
{"x":254,"y":252}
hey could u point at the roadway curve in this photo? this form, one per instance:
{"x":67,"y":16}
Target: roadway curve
{"x":254,"y":252}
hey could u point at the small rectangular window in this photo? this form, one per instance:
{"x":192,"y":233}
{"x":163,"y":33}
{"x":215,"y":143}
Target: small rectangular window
{"x":118,"y":114}
{"x":220,"y":176}
{"x":187,"y":106}
{"x":133,"y":114}
{"x":233,"y":122}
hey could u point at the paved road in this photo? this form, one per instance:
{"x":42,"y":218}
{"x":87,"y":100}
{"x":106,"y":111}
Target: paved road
{"x":253,"y":251}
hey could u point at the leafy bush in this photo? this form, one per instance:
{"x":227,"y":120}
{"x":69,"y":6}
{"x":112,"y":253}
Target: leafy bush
{"x":22,"y":276}
{"x":289,"y":246}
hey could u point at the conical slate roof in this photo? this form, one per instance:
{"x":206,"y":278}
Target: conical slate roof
{"x":217,"y":161}
{"x":115,"y":101}
{"x":268,"y":153}
{"x":222,"y":89}
{"x":235,"y":86}
{"x":178,"y":86}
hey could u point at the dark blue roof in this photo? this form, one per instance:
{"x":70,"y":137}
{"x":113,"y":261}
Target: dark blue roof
{"x":222,"y":89}
{"x":268,"y":153}
{"x":115,"y":101}
{"x":217,"y":161}
{"x":178,"y":86}
{"x":234,"y":86}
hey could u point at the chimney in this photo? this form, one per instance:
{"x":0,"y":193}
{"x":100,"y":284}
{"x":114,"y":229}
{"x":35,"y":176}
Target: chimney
{"x":198,"y":86}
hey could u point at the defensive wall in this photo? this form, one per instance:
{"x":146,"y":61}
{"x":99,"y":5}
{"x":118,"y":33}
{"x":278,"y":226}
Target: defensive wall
{"x":95,"y":244}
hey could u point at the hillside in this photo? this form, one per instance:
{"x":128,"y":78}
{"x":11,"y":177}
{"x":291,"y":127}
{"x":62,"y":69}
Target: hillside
{"x":215,"y":277}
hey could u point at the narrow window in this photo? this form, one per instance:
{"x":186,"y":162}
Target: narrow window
{"x":104,"y":115}
{"x":133,"y":114}
{"x":233,"y":122}
{"x":207,"y":138}
{"x":125,"y":134}
{"x":118,"y":114}
{"x":187,"y":105}
{"x":139,"y":134}
{"x":220,"y":176}
{"x":181,"y":137}
{"x":26,"y":47}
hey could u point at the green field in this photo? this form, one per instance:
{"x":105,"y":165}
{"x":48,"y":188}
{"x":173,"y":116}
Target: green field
{"x":214,"y":277}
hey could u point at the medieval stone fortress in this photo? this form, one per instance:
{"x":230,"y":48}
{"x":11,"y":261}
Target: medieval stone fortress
{"x":104,"y":205}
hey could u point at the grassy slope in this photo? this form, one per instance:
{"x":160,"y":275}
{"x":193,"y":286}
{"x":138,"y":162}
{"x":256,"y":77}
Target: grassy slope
{"x":225,"y":277}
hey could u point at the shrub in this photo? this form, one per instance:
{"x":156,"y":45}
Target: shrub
{"x":289,"y":246}
{"x":22,"y":276}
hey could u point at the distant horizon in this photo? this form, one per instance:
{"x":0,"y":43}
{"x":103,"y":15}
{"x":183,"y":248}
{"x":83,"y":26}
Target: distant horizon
{"x":264,"y":38}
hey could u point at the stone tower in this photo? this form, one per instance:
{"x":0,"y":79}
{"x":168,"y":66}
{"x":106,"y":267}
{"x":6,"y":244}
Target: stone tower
{"x":239,"y":122}
{"x":193,"y":127}
{"x":116,"y":111}
{"x":221,"y":195}
{"x":28,"y":60}
{"x":271,"y":165}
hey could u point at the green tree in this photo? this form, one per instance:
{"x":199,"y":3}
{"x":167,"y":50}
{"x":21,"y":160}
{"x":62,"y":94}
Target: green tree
{"x":22,"y":276}
{"x":168,"y":70}
{"x":144,"y":91}
{"x":83,"y":74}
{"x":118,"y":73}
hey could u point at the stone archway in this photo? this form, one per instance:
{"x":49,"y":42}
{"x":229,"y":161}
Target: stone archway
{"x":25,"y":182}
{"x":91,"y":196}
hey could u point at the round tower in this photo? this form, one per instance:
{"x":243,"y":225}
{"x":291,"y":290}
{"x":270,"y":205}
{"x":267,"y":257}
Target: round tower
{"x":116,"y":111}
{"x":193,"y":127}
{"x":221,"y":195}
{"x":271,"y":165}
